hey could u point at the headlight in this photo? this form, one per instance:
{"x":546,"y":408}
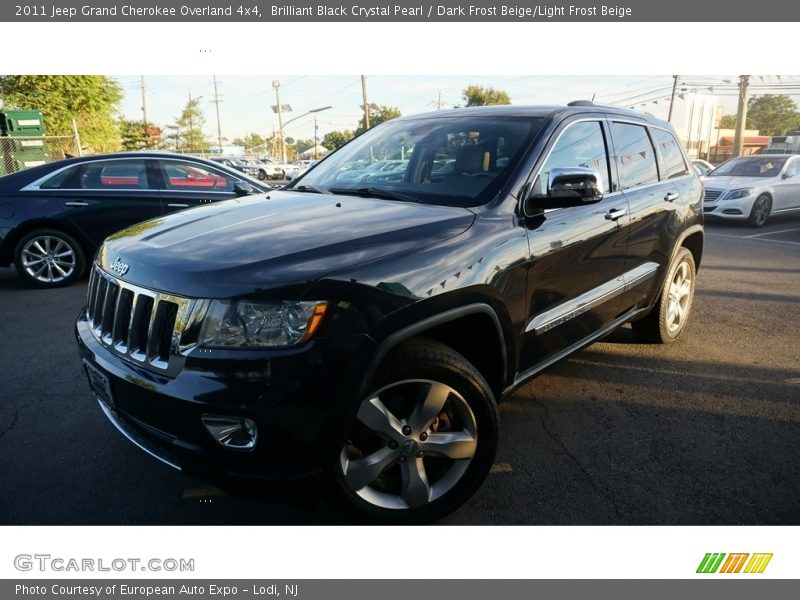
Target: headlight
{"x":741,"y":193}
{"x":247,"y":324}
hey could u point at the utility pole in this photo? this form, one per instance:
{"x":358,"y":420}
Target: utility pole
{"x":277,"y":85}
{"x":741,"y":115}
{"x":144,"y":100}
{"x":364,"y":98}
{"x":216,"y":101}
{"x":672,"y":98}
{"x":316,"y":143}
{"x":438,"y":102}
{"x":191,"y":124}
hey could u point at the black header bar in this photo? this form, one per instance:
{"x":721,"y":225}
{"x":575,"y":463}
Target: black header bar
{"x":403,"y":10}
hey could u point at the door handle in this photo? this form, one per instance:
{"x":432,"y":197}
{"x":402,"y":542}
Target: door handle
{"x":616,"y":213}
{"x":176,"y":205}
{"x":76,"y":203}
{"x":672,"y":196}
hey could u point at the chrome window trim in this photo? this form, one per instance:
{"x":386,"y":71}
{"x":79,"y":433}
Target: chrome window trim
{"x":599,"y":119}
{"x":148,"y":191}
{"x":36,"y":184}
{"x":566,"y":311}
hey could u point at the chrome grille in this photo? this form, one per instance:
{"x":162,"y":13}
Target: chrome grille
{"x":142,"y":325}
{"x":712,"y":195}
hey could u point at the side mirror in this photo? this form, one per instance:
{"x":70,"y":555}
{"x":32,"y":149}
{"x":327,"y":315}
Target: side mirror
{"x":242,"y":188}
{"x":566,"y":187}
{"x":787,"y":175}
{"x":574,"y":183}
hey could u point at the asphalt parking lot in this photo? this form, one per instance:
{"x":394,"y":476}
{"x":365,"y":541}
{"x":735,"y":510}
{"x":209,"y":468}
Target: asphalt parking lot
{"x":701,"y":432}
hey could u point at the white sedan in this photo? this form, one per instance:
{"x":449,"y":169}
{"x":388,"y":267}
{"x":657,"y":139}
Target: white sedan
{"x":751,"y":188}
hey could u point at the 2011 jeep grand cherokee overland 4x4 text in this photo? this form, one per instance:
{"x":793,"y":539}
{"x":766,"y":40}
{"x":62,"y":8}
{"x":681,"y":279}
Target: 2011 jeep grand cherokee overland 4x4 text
{"x":362,"y":325}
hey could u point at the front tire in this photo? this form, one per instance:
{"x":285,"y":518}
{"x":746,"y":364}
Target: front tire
{"x":49,"y":258}
{"x":760,"y":212}
{"x":423,"y":441}
{"x":667,"y":321}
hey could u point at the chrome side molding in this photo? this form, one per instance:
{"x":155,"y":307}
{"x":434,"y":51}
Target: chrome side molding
{"x":570,"y":309}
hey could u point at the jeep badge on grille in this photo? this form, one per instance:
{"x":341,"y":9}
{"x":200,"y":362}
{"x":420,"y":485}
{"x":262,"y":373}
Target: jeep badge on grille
{"x":119,"y":267}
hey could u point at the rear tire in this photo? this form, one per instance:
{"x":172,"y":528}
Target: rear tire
{"x":667,"y":321}
{"x":423,"y":440}
{"x":49,"y":258}
{"x":760,"y":212}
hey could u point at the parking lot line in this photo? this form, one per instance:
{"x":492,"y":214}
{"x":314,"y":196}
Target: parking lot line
{"x":739,"y":237}
{"x":757,"y":235}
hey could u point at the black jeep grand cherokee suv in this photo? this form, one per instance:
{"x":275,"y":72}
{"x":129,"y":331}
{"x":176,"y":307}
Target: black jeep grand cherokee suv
{"x":363,"y":324}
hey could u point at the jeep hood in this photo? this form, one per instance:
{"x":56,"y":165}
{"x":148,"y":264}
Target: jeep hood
{"x":260,"y":243}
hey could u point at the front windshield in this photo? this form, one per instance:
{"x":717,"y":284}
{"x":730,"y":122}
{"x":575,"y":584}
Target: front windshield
{"x":750,"y":166}
{"x":457,"y":161}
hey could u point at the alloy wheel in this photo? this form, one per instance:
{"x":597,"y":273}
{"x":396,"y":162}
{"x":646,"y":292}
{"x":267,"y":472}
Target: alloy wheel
{"x":761,"y":211}
{"x":412,"y":443}
{"x":48,"y":259}
{"x":680,"y":297}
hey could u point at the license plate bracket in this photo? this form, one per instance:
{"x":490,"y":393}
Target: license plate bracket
{"x":99,"y":384}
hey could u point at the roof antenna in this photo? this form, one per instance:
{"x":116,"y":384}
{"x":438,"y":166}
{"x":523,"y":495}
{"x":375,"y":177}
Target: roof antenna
{"x":593,"y":96}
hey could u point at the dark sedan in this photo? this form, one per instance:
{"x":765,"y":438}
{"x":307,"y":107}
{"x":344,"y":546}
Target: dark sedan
{"x":53,"y":217}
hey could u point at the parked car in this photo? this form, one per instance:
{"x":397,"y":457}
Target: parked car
{"x":702,"y":166}
{"x":268,"y":169}
{"x":239,"y":164}
{"x":363,"y":172}
{"x":290,"y":171}
{"x":752,"y":188}
{"x":365,"y":337}
{"x":54,"y":216}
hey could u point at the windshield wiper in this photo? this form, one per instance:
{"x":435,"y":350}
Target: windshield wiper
{"x":310,"y":189}
{"x":374,"y":192}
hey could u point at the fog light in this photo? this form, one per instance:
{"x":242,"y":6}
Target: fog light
{"x":236,"y":433}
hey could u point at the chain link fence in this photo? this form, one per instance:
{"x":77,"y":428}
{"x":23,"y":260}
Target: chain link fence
{"x":18,"y":152}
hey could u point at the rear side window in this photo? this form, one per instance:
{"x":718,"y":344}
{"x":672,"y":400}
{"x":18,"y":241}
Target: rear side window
{"x":115,"y":175}
{"x":192,"y":177}
{"x":580,"y":145}
{"x":59,"y":180}
{"x":637,"y":159}
{"x":672,"y":163}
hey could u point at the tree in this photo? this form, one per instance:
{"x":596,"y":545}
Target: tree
{"x":727,"y":122}
{"x":190,"y":128}
{"x":772,"y":115}
{"x":477,"y":95}
{"x":92,"y":100}
{"x":336,"y":139}
{"x":251,"y":140}
{"x":134,"y":135}
{"x":301,"y":146}
{"x":377,"y":116}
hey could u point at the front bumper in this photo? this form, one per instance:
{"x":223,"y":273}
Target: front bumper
{"x":738,"y":209}
{"x":297,"y":398}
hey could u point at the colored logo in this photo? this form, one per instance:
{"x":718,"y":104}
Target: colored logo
{"x":719,"y":562}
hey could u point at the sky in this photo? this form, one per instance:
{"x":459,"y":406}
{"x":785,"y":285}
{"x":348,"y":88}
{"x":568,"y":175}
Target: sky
{"x":247,"y":100}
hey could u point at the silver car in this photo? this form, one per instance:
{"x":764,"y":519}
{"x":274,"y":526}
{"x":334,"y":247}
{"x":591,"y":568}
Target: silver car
{"x":751,"y":188}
